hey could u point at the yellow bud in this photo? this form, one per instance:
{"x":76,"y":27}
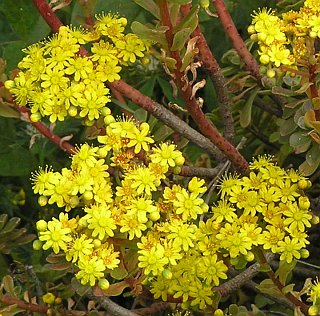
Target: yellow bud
{"x":271,"y":73}
{"x":314,"y":310}
{"x":304,"y":202}
{"x":315,"y":219}
{"x":262,"y":37}
{"x":263,"y":70}
{"x":303,"y":184}
{"x":249,"y":256}
{"x":313,"y":34}
{"x":123,"y":21}
{"x":154,"y":216}
{"x":35,"y":117}
{"x":218,"y":312}
{"x":251,"y":29}
{"x":149,"y":224}
{"x":145,"y":60}
{"x":48,"y":298}
{"x":254,"y":37}
{"x":177,"y":170}
{"x":37,"y":245}
{"x":179,"y":161}
{"x":304,"y":253}
{"x":87,"y":195}
{"x":96,"y":243}
{"x":74,"y":201}
{"x":58,"y":300}
{"x":102,"y":152}
{"x":88,"y":122}
{"x":42,"y":200}
{"x":41,"y":225}
{"x":103,"y":284}
{"x":9,"y":84}
{"x":167,"y":274}
{"x":83,"y":222}
{"x":72,"y":111}
{"x":204,"y":4}
{"x":105,"y":111}
{"x":264,"y":59}
{"x":109,"y":119}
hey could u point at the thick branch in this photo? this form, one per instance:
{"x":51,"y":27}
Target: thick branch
{"x":167,"y":117}
{"x":211,"y":65}
{"x":45,"y":131}
{"x":205,"y":125}
{"x":237,"y":41}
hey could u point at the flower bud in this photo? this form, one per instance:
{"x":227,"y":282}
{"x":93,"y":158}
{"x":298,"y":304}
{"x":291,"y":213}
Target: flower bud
{"x":304,"y":202}
{"x":251,"y":29}
{"x":167,"y":274}
{"x":303,"y":184}
{"x":37,"y":244}
{"x":304,"y":253}
{"x":48,"y":298}
{"x":271,"y":73}
{"x":35,"y":117}
{"x":42,"y":200}
{"x":154,"y":216}
{"x":105,"y":111}
{"x":41,"y":225}
{"x":179,"y":161}
{"x":315,"y":219}
{"x":264,"y":59}
{"x":108,"y":119}
{"x":204,"y":4}
{"x":218,"y":312}
{"x":249,"y":256}
{"x":96,"y":243}
{"x":103,"y":284}
{"x":87,"y":195}
{"x":72,"y":111}
{"x":314,"y":310}
{"x":58,"y":300}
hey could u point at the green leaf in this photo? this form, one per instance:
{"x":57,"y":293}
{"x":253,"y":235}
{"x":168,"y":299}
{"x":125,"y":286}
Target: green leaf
{"x":16,"y":161}
{"x":180,"y":1}
{"x":11,"y":225}
{"x":116,"y":289}
{"x":120,"y":272}
{"x":155,"y":34}
{"x":284,"y":270}
{"x":8,"y":285}
{"x":245,"y":112}
{"x":268,"y":287}
{"x":3,"y":220}
{"x":8,"y":111}
{"x":299,"y":141}
{"x":307,"y":169}
{"x":79,"y":288}
{"x":180,"y":39}
{"x":313,"y":155}
{"x":24,"y":19}
{"x":190,"y":21}
{"x":150,"y":6}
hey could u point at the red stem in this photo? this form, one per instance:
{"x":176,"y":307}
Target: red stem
{"x":313,"y":88}
{"x":237,"y":41}
{"x":205,"y":125}
{"x":49,"y":16}
{"x":44,"y":130}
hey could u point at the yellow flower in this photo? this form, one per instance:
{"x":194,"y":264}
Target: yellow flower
{"x":78,"y":248}
{"x":297,"y":218}
{"x":55,"y":236}
{"x":100,"y":221}
{"x":182,"y":234}
{"x":91,"y":270}
{"x":55,"y":80}
{"x":22,"y":87}
{"x":139,"y":139}
{"x":289,"y":249}
{"x":166,"y":154}
{"x":189,"y":205}
{"x":79,"y":67}
{"x":153,"y":260}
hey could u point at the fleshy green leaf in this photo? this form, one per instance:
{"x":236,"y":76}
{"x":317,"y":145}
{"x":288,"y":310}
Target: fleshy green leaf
{"x":245,"y":112}
{"x":268,"y":287}
{"x":8,"y":111}
{"x":189,"y":21}
{"x":155,"y":34}
{"x":180,"y":39}
{"x":150,"y":6}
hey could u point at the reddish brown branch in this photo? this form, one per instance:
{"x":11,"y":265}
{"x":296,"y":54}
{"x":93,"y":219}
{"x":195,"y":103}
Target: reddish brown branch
{"x":35,"y":308}
{"x":45,"y":131}
{"x":49,"y":16}
{"x":205,"y":125}
{"x":167,"y":117}
{"x":211,"y":65}
{"x":237,"y":41}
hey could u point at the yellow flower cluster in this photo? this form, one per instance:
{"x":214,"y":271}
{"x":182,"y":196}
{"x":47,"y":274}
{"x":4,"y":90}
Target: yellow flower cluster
{"x":57,"y":81}
{"x":266,"y":208}
{"x":121,"y":210}
{"x":285,"y":40}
